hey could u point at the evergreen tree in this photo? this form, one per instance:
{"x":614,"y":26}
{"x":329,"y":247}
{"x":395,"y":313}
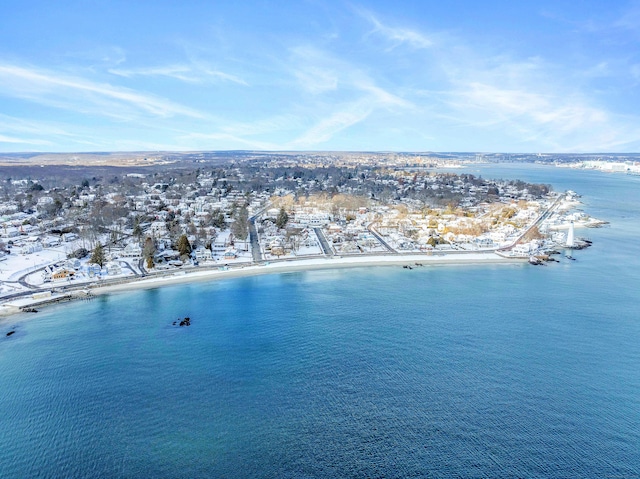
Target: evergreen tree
{"x":240,"y":227}
{"x":282,"y":219}
{"x":183,"y":246}
{"x":98,"y":256}
{"x":148,"y":251}
{"x":217,"y":219}
{"x":137,"y":230}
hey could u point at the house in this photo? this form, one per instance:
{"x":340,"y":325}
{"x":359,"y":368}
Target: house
{"x":132,"y":250}
{"x":219,"y":245}
{"x":202,"y":254}
{"x":69,"y":237}
{"x":522,"y":249}
{"x":73,"y":263}
{"x":312,"y":219}
{"x":277,"y":247}
{"x":92,"y":269}
{"x":158,"y":228}
{"x":10,"y":232}
{"x":29,"y":247}
{"x":230,"y":253}
{"x":45,"y":201}
{"x":113,"y":268}
{"x":167,"y":255}
{"x":61,"y":274}
{"x":51,"y":241}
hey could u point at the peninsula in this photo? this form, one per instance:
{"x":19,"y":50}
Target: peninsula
{"x":71,"y":228}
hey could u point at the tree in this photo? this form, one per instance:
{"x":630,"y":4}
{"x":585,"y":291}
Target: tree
{"x":183,"y":246}
{"x":217,"y":219}
{"x":240,"y":227}
{"x":79,"y":253}
{"x":98,"y":256}
{"x":282,"y":219}
{"x":148,"y":251}
{"x":137,"y":230}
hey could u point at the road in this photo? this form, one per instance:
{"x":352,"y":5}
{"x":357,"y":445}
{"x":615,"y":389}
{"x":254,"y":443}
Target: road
{"x":257,"y":256}
{"x":540,"y":219}
{"x":379,"y":238}
{"x":326,"y":247}
{"x":253,"y":237}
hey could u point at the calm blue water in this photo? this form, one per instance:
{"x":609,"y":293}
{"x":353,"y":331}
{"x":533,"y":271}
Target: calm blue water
{"x":470,"y":371}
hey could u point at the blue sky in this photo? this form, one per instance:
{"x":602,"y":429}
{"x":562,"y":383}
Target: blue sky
{"x":544,"y":76}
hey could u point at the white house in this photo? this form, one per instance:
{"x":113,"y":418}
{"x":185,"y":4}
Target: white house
{"x":69,"y":237}
{"x":132,"y":250}
{"x":202,"y":254}
{"x":51,"y":241}
{"x":45,"y":200}
{"x":113,"y":268}
{"x":10,"y":232}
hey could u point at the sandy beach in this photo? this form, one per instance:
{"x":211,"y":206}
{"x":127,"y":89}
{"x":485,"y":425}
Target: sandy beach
{"x":307,"y":265}
{"x":189,"y":276}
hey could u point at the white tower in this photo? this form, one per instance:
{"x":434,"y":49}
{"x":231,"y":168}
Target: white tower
{"x":570,"y":237}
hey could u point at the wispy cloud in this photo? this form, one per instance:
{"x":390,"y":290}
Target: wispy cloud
{"x":381,"y":97}
{"x":528,"y":108}
{"x":344,"y":95}
{"x":31,"y":127}
{"x":231,"y":141}
{"x":542,"y":120}
{"x":182,"y":72}
{"x":78,"y":94}
{"x":316,"y":80}
{"x":23,"y":141}
{"x":179,"y":72}
{"x":396,"y":35}
{"x":328,"y":127}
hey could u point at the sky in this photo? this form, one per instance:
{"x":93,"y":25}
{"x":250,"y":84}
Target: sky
{"x":490,"y":76}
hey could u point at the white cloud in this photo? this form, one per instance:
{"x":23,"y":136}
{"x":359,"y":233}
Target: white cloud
{"x":316,"y":80}
{"x":230,"y":141}
{"x":544,"y":121}
{"x":78,"y":94}
{"x":381,"y":97}
{"x":343,"y":95}
{"x":31,"y":127}
{"x":23,"y":141}
{"x":396,"y":35}
{"x":179,"y":72}
{"x":327,"y":127}
{"x":185,"y":73}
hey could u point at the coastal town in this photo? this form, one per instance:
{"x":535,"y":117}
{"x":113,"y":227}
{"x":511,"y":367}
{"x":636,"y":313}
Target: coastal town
{"x":67,"y":229}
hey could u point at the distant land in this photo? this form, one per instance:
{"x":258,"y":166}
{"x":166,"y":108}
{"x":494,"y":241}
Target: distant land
{"x":160,"y":158}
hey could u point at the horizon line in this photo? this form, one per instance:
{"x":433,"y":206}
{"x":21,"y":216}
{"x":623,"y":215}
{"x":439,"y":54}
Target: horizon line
{"x":468,"y":152}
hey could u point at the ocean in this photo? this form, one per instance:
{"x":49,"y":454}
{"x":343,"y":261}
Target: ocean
{"x":441,"y":371}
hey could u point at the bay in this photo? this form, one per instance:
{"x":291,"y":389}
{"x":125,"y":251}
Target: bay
{"x":452,"y":371}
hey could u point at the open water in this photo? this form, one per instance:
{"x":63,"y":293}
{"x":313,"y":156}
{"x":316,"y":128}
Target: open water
{"x":457,"y":371}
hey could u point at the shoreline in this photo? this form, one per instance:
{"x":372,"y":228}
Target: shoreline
{"x":14,"y":307}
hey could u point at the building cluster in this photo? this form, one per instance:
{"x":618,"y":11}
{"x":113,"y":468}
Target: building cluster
{"x":257,"y":209}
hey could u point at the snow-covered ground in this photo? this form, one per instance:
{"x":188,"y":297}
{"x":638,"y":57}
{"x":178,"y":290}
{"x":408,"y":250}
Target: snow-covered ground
{"x":29,"y":268}
{"x":14,"y":266}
